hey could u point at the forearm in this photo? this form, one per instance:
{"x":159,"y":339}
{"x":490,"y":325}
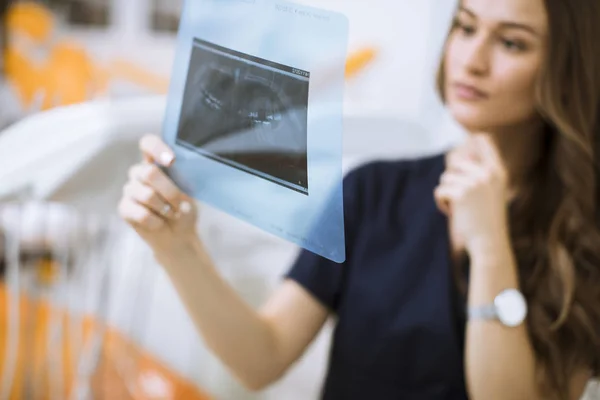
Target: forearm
{"x":230,"y":327}
{"x":500,"y":360}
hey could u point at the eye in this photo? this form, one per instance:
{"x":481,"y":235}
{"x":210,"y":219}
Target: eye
{"x":513,"y":45}
{"x":465,"y":29}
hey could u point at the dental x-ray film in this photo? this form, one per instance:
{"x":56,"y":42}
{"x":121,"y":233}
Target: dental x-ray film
{"x":254,"y":115}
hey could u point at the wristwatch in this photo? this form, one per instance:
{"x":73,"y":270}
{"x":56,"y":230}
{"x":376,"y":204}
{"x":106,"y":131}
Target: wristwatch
{"x":509,"y":307}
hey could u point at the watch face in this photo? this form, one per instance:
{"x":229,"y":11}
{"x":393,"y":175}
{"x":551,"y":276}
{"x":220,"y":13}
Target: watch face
{"x":511,"y":307}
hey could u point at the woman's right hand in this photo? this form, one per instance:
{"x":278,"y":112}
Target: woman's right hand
{"x":153,"y":205}
{"x":257,"y":347}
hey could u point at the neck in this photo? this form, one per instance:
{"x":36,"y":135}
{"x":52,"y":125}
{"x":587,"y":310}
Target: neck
{"x":520,"y":148}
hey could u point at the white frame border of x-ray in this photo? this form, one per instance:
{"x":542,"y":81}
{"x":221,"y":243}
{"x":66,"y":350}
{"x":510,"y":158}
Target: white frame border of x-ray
{"x":218,"y":22}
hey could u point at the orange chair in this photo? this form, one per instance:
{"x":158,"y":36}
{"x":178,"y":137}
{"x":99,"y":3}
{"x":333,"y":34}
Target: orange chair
{"x":23,"y":74}
{"x":111,"y":380}
{"x":31,"y":20}
{"x":67,"y":76}
{"x":30,"y":25}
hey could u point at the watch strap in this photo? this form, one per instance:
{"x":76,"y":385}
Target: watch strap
{"x":485,"y":312}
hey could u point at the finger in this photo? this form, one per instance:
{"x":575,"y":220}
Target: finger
{"x":443,"y":205}
{"x":461,"y":153}
{"x":139,"y":216}
{"x":186,"y":207}
{"x":152,"y":176}
{"x":455,"y":178}
{"x":487,"y":149}
{"x":443,"y":197}
{"x":466,"y":166}
{"x":471,"y":147}
{"x":154,"y":150}
{"x":146,"y":196}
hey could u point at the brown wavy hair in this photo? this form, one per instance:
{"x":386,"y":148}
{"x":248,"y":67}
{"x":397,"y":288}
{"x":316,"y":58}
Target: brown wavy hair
{"x":555,"y":220}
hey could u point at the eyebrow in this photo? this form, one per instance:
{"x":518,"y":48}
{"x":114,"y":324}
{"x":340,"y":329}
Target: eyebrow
{"x":505,"y":24}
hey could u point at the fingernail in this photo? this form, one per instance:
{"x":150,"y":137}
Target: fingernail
{"x":185,"y":207}
{"x":166,"y":158}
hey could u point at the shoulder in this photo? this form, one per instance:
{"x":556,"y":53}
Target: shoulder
{"x":401,"y":167}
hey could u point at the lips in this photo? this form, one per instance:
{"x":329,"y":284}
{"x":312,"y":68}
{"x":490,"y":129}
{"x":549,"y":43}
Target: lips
{"x":468,"y":92}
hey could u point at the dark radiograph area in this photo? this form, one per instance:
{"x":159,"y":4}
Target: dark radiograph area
{"x":248,"y":113}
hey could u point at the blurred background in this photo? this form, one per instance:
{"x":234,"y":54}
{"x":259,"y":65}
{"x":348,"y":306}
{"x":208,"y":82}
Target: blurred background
{"x":115,"y":49}
{"x":84,"y":79}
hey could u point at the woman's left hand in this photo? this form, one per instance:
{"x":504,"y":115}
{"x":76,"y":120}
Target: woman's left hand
{"x":473,"y":192}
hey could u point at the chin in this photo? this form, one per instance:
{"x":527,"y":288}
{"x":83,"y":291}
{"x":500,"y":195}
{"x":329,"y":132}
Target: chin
{"x":473,"y":120}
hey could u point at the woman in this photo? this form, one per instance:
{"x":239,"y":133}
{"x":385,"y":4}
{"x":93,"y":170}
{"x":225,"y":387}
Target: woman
{"x":511,"y":215}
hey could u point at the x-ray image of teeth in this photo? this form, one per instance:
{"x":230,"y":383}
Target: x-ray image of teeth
{"x":248,"y":113}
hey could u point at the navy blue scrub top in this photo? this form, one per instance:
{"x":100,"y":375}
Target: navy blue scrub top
{"x":400,"y":317}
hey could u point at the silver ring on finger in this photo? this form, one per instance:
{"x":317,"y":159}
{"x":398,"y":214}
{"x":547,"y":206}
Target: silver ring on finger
{"x":166,"y":209}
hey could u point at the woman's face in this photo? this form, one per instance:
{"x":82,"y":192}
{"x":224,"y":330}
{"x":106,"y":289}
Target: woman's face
{"x":492,"y":61}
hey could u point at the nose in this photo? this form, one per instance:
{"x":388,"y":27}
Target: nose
{"x":476,"y":59}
